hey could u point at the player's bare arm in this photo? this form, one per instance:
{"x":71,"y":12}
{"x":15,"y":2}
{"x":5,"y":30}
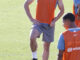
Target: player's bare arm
{"x":60,"y":55}
{"x":61,"y":7}
{"x":27,"y":9}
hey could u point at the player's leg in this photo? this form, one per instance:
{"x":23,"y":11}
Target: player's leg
{"x":46,"y":51}
{"x":48,"y":37}
{"x":33,"y":44}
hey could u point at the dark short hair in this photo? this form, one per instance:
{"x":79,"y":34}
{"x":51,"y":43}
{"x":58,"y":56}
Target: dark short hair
{"x":69,"y":16}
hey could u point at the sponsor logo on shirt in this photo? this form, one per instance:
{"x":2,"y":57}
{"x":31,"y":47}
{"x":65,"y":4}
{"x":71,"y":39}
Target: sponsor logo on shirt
{"x":73,"y":49}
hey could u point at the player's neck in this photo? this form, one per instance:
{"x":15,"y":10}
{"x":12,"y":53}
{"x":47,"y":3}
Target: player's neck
{"x":73,"y":26}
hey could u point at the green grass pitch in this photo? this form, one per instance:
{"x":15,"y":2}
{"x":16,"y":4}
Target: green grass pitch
{"x":15,"y":27}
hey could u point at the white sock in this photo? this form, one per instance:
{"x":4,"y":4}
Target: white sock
{"x":34,"y":55}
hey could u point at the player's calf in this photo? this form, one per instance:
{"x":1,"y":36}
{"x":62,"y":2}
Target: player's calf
{"x":33,"y":44}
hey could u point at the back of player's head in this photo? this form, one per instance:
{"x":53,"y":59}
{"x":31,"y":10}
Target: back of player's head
{"x":69,"y":16}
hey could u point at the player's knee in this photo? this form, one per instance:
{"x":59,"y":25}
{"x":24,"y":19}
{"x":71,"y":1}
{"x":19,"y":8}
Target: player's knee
{"x":32,"y":38}
{"x":46,"y":47}
{"x":46,"y":50}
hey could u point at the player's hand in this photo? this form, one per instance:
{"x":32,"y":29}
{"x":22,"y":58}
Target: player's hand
{"x":53,"y":22}
{"x":34,"y":21}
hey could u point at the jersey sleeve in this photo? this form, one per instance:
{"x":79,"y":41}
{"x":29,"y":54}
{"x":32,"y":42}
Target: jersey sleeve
{"x":61,"y":43}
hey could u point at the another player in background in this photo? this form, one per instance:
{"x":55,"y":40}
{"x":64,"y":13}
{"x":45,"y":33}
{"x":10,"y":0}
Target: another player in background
{"x":76,"y":11}
{"x":69,"y":41}
{"x":43,"y":23}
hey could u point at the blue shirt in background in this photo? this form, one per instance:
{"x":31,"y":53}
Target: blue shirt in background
{"x":76,"y":2}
